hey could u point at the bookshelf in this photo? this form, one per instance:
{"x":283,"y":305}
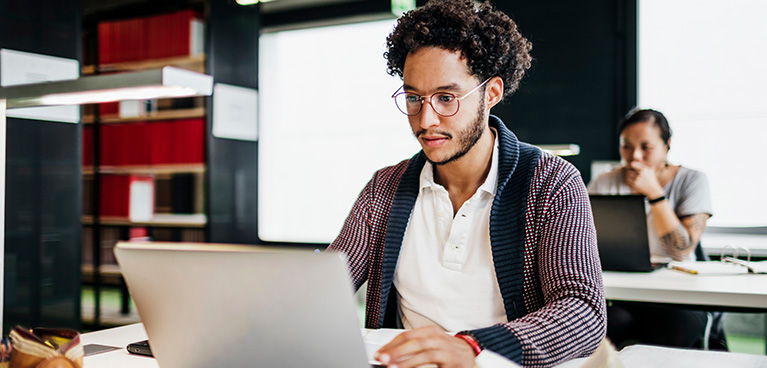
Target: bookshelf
{"x":144,"y":161}
{"x":219,"y":204}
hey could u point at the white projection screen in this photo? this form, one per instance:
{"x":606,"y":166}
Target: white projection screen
{"x":326,"y":124}
{"x":703,"y":63}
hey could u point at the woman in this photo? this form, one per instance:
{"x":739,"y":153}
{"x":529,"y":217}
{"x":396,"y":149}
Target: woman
{"x":679,"y":204}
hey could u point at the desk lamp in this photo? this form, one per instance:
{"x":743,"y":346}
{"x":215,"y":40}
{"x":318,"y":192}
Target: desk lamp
{"x":561,"y":149}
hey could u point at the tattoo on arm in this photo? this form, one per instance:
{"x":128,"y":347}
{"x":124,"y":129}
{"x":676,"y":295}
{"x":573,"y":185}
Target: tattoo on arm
{"x":695,"y":225}
{"x":676,"y":242}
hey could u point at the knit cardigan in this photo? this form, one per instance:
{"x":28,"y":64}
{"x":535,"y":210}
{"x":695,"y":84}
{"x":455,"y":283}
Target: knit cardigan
{"x":543,"y":245}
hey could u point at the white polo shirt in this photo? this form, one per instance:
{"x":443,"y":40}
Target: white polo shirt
{"x":445,"y":275}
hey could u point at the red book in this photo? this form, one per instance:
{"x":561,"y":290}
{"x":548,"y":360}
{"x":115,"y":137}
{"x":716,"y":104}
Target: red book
{"x":138,"y":32}
{"x":128,"y":149}
{"x":109,"y":108}
{"x":138,"y":233}
{"x":160,"y":141}
{"x":196,"y":140}
{"x":105,"y":149}
{"x":143,"y":146}
{"x":105,"y":42}
{"x":119,"y":43}
{"x":154,"y":31}
{"x":87,"y":145}
{"x":112,"y":197}
{"x":143,"y":40}
{"x":117,"y":144}
{"x":130,"y":46}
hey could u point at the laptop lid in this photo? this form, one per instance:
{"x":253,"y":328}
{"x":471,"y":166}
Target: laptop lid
{"x":208,"y":305}
{"x":622,"y":238}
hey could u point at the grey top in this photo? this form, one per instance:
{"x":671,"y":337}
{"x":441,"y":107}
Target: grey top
{"x":688,"y":193}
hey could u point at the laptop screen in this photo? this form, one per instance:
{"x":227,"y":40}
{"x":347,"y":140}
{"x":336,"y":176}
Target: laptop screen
{"x":622,"y":238}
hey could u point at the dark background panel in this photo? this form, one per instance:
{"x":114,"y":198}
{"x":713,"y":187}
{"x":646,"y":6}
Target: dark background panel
{"x":576,"y":89}
{"x":43,"y":182}
{"x":232,"y":52}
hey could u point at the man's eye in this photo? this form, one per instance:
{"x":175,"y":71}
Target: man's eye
{"x":412,"y":98}
{"x":445,"y":98}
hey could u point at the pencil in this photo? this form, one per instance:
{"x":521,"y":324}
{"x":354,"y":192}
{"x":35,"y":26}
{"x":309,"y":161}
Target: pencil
{"x":694,"y":272}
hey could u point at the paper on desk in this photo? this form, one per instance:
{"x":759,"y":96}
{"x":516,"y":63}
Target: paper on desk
{"x":708,"y":267}
{"x":753,"y":267}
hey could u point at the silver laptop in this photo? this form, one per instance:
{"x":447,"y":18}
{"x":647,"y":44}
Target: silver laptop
{"x":207,"y":305}
{"x":622,"y":237}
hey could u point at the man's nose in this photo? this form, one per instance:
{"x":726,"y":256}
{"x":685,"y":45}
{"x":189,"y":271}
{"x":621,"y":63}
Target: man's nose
{"x":428,"y":116}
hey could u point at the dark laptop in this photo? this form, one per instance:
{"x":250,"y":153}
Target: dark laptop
{"x":622,"y":239}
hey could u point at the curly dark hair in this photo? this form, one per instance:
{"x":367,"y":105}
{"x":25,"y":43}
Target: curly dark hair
{"x":487,"y":38}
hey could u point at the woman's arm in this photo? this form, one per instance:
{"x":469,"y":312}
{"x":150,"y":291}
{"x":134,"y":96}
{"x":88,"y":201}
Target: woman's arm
{"x":679,"y":237}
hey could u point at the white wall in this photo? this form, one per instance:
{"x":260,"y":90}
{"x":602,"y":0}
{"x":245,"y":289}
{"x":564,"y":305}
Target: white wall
{"x":703,"y":63}
{"x":326,"y":123}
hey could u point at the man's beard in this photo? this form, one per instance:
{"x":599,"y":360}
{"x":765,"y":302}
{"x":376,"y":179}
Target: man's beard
{"x":467,"y":137}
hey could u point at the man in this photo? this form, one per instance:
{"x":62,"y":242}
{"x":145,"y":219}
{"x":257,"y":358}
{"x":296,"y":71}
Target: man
{"x":478,"y":232}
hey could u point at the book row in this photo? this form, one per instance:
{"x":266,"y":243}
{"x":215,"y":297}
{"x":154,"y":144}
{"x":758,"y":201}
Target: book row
{"x":173,"y":194}
{"x":179,"y":141}
{"x":155,"y":37}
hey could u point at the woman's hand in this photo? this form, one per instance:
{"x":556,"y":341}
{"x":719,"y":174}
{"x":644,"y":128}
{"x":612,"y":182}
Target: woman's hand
{"x":643,"y":179}
{"x":426,"y":345}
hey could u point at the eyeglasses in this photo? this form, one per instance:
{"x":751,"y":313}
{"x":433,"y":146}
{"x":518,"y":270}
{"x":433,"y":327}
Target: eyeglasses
{"x":444,"y":103}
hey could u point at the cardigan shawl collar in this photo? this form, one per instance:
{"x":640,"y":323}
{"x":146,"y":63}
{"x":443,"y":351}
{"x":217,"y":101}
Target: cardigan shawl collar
{"x":516,"y":165}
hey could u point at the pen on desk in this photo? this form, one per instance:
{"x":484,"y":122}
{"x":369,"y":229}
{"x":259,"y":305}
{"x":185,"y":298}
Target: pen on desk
{"x":684,"y":269}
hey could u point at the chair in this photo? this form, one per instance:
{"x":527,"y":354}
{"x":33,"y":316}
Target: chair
{"x":713,"y":335}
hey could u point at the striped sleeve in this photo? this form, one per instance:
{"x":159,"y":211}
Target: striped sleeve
{"x":362,"y":236}
{"x":563,"y":291}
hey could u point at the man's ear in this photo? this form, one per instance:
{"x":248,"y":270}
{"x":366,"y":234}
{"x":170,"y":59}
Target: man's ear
{"x":493,"y":92}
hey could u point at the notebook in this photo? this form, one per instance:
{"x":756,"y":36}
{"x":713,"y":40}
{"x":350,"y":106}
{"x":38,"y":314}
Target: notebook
{"x":727,"y":265}
{"x":206,"y":305}
{"x":622,"y":238}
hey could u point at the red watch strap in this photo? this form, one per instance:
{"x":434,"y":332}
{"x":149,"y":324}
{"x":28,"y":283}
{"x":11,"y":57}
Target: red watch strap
{"x":470,"y":340}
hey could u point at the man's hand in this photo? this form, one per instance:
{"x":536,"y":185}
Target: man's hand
{"x":642,"y":179}
{"x":426,"y":345}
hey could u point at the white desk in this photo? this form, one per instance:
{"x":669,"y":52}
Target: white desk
{"x":644,"y":356}
{"x":118,"y":337}
{"x":728,"y":292}
{"x":633,"y":357}
{"x":675,"y":287}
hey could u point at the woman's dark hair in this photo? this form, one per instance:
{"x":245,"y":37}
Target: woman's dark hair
{"x":487,"y":38}
{"x":647,"y":116}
